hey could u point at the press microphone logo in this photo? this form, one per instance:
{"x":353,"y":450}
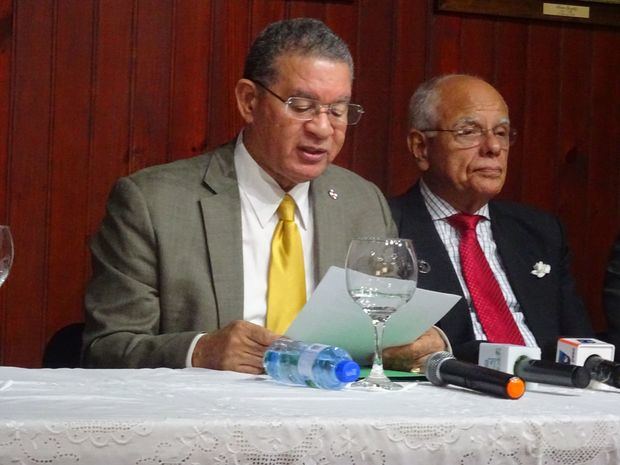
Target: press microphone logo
{"x":492,"y":360}
{"x":563,"y":357}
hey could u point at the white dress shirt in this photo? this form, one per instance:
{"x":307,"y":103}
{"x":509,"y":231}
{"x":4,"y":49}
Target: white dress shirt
{"x":260,"y":197}
{"x":440,"y":211}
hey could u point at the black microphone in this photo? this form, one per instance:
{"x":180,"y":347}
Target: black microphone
{"x":603,"y":370}
{"x":543,"y":371}
{"x":442,"y":368}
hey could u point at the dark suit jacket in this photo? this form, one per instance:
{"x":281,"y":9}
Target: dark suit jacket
{"x":167,"y":260}
{"x":523,"y":236}
{"x":611,"y":298}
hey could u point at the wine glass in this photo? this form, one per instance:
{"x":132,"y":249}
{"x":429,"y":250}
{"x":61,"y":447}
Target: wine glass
{"x":382,"y":275}
{"x":6,"y":252}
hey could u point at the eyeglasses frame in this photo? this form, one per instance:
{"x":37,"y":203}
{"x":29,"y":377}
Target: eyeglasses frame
{"x":318,"y":108}
{"x":512,"y":134}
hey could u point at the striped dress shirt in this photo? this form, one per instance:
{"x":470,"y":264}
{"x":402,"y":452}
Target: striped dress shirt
{"x":440,"y":211}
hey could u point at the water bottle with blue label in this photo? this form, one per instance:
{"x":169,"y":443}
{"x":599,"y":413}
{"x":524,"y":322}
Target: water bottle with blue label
{"x":314,"y":365}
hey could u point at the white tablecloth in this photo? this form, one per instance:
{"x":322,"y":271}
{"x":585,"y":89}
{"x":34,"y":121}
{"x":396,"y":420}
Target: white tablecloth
{"x":193,"y":416}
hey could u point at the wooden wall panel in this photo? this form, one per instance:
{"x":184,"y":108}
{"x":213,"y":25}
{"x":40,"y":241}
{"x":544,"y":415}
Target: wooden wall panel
{"x":511,"y":45}
{"x":302,"y":8}
{"x":603,"y":117}
{"x":190,"y":78}
{"x":540,"y":132}
{"x":6,"y":45}
{"x":110,"y":115}
{"x":230,"y":45}
{"x":444,"y":45}
{"x":574,"y":138}
{"x":410,"y":32}
{"x":477,"y":48}
{"x":29,"y":179}
{"x":69,"y":142}
{"x":264,"y":13}
{"x":373,"y":92}
{"x":344,"y":20}
{"x":150,"y":103}
{"x":91,"y":90}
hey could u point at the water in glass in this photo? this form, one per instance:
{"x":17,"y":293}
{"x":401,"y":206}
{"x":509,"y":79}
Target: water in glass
{"x":382,"y":276}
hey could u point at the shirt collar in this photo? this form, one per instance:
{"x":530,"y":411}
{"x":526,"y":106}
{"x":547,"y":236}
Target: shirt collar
{"x":262,"y":191}
{"x":440,"y":209}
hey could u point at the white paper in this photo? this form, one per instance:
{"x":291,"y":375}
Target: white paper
{"x":332,"y":317}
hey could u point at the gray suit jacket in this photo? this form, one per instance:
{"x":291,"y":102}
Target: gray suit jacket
{"x":167,"y":260}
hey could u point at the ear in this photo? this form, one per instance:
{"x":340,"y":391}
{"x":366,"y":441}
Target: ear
{"x":246,"y":94}
{"x":418,"y":146}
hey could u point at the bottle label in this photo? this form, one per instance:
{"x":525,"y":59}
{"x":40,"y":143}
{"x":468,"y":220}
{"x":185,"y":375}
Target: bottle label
{"x":307,"y":358}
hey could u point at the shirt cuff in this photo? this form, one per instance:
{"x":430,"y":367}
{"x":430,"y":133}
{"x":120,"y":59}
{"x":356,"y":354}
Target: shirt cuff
{"x":445,"y":338}
{"x":190,"y":351}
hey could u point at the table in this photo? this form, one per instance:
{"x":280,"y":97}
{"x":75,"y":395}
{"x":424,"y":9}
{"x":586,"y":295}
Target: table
{"x":195,"y":416}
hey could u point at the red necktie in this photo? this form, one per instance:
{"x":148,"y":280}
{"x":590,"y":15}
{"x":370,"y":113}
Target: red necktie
{"x":486,"y":295}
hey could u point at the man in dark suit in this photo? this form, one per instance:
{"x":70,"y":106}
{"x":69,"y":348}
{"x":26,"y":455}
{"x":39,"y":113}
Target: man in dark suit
{"x":460,"y":136}
{"x":182,"y":260}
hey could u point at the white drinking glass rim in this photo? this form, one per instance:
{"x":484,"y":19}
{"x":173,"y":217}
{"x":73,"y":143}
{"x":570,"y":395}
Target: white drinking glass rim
{"x":8,"y":228}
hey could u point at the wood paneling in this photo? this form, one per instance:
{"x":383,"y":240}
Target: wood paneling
{"x":69,"y":134}
{"x":91,"y":90}
{"x":108,"y":156}
{"x":29,"y":191}
{"x":6,"y":43}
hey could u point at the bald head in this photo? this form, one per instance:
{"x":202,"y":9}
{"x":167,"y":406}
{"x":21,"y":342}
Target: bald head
{"x":460,"y":136}
{"x":425,"y":102}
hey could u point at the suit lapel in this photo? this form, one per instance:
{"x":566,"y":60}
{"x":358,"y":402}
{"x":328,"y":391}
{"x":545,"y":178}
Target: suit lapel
{"x":221,"y":213}
{"x":518,"y":256}
{"x":328,"y":232}
{"x":418,"y":225}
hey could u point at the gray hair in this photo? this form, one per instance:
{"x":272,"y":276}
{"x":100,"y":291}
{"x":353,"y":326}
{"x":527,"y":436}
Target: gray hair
{"x":299,"y":36}
{"x":424,"y":101}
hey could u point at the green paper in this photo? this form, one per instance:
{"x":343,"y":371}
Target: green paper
{"x":396,"y":375}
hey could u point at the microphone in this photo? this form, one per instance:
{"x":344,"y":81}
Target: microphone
{"x":442,"y":368}
{"x":577,"y":350}
{"x":525,"y":362}
{"x":603,"y":371}
{"x":594,"y":355}
{"x":547,"y":372}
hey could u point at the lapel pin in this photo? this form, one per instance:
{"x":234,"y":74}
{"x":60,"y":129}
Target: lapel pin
{"x":333,"y":194}
{"x":424,"y":267}
{"x":541,"y":269}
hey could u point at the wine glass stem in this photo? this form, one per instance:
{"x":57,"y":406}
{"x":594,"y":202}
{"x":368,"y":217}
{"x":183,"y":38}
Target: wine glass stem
{"x":377,"y":364}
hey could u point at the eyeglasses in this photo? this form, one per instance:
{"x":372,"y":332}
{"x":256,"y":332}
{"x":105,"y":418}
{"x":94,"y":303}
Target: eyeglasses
{"x":473,"y":135}
{"x":305,"y":109}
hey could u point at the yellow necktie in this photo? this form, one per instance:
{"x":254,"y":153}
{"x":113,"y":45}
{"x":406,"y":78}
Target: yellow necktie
{"x":286,"y":292}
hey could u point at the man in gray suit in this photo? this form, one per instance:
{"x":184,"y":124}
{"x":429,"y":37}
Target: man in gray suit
{"x":181,"y":260}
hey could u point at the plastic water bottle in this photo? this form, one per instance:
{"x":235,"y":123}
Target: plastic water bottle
{"x":314,"y":365}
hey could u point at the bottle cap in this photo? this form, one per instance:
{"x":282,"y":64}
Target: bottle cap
{"x":347,"y":371}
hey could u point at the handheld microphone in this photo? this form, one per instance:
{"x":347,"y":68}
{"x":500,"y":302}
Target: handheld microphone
{"x":442,"y":368}
{"x":603,"y":371}
{"x":544,"y":371}
{"x":594,"y":355}
{"x":525,"y":362}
